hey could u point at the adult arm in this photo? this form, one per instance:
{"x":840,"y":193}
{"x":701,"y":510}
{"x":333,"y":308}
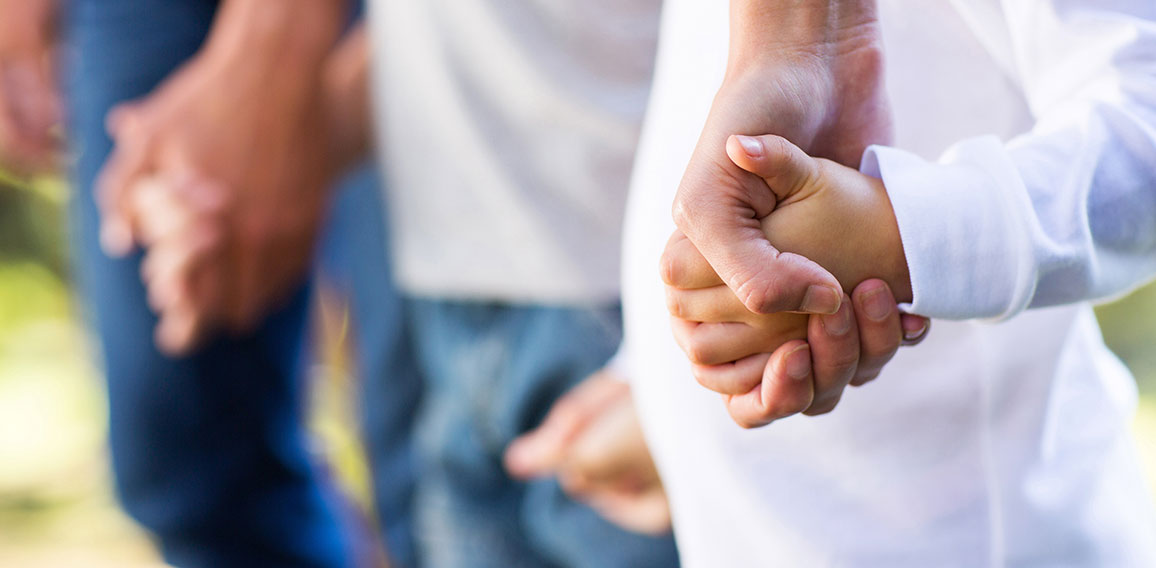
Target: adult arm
{"x":223,"y":172}
{"x":29,"y":98}
{"x":811,"y":72}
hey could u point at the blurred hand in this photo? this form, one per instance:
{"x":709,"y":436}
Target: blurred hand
{"x":30,"y":107}
{"x":592,"y":441}
{"x":222,"y":174}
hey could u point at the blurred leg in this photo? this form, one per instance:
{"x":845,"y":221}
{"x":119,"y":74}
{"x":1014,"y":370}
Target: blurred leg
{"x":208,"y":451}
{"x":493,"y":372}
{"x":356,"y":257}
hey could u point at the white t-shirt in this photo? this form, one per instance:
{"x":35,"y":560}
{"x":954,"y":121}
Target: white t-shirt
{"x":507,"y":133}
{"x":989,"y":444}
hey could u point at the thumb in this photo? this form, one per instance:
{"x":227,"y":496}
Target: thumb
{"x":130,"y":159}
{"x":783,"y":166}
{"x":719,"y":208}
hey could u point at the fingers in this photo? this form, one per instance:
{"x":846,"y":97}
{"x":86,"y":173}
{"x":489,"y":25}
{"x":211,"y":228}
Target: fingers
{"x":712,"y":305}
{"x":718,"y":208}
{"x":880,"y":332}
{"x":128,"y":161}
{"x":784,"y":166}
{"x":834,"y":344}
{"x":915,"y":329}
{"x":717,"y":343}
{"x":182,"y":265}
{"x":786,"y":388}
{"x":179,"y":330}
{"x":160,"y":211}
{"x":645,"y":513}
{"x":682,"y":266}
{"x":542,"y":450}
{"x":736,"y":378}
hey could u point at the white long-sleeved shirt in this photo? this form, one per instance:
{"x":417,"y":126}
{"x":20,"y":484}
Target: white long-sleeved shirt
{"x":989,"y":444}
{"x":1062,"y":213}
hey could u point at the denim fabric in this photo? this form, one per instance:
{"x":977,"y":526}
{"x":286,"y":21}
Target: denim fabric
{"x":354,"y":256}
{"x":209,"y":451}
{"x":493,"y":371}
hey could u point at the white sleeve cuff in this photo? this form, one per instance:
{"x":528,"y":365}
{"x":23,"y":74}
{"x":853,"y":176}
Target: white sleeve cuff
{"x":964,"y":222}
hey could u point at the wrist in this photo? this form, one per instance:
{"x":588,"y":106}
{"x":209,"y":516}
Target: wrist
{"x":776,"y":29}
{"x":894,"y":258}
{"x":345,"y":98}
{"x":292,"y":36}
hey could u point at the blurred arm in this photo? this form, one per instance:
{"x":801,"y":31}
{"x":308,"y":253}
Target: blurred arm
{"x":346,"y":94}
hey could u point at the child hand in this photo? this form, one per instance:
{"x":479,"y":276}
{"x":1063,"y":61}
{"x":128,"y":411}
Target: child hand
{"x":834,"y":216}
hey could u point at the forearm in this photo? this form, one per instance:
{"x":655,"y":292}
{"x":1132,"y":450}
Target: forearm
{"x":768,"y":29}
{"x":346,"y":92}
{"x":296,"y":32}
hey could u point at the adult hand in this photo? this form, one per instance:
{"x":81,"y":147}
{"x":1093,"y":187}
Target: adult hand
{"x":592,"y":441}
{"x":808,"y":360}
{"x":222,"y":173}
{"x":758,"y":361}
{"x":30,"y":108}
{"x":811,"y":72}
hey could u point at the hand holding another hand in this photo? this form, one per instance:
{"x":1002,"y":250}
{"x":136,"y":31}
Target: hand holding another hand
{"x":222,"y":174}
{"x":769,"y":367}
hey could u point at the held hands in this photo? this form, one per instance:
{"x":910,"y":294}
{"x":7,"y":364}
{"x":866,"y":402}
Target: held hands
{"x":30,"y":107}
{"x":842,"y":220}
{"x":592,"y":441}
{"x":221,"y":176}
{"x":826,"y":94}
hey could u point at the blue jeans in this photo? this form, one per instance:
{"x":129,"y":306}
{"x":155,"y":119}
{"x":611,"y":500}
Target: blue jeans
{"x":209,"y":451}
{"x":493,"y":371}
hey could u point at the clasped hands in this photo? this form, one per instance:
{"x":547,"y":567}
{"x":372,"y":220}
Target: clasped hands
{"x":220,"y":177}
{"x":769,"y":237}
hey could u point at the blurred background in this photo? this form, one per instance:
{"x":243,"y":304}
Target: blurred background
{"x":56,"y":502}
{"x":57,"y":506}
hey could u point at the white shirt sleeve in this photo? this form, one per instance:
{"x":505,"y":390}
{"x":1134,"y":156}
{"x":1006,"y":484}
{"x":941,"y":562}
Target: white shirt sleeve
{"x":1064,"y":213}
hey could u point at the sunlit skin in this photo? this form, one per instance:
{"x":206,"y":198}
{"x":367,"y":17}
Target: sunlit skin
{"x":222,"y":173}
{"x":824,"y":211}
{"x":30,"y":104}
{"x":592,"y":442}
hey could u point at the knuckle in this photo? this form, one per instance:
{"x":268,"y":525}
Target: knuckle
{"x":670,"y":267}
{"x":881,"y":348}
{"x":565,"y":411}
{"x":843,"y":359}
{"x":864,"y":378}
{"x":680,"y":211}
{"x":704,"y":379}
{"x":788,"y":406}
{"x":745,"y":422}
{"x":700,"y":352}
{"x":755,"y":296}
{"x":675,"y":303}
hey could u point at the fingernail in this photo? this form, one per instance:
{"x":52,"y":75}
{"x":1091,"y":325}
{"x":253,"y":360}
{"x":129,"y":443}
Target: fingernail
{"x":752,"y":146}
{"x":115,"y":240}
{"x":838,"y":324}
{"x":821,"y":300}
{"x":916,"y":331}
{"x":799,"y":363}
{"x":877,"y":304}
